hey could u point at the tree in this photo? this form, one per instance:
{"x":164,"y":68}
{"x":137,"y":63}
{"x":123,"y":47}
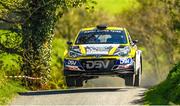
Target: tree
{"x":155,"y":23}
{"x":34,"y":21}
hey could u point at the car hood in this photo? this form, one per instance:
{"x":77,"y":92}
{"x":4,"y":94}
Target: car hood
{"x":99,"y":49}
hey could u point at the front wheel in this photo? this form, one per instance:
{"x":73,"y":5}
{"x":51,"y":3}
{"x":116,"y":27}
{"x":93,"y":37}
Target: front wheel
{"x":138,"y":77}
{"x":79,"y":82}
{"x":72,"y":81}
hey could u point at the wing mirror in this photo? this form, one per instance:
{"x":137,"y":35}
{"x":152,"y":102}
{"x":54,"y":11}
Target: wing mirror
{"x":69,"y":42}
{"x":135,"y":41}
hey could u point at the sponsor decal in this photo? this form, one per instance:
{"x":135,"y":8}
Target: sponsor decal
{"x":72,"y":62}
{"x":97,"y":64}
{"x":90,"y":50}
{"x":96,"y":31}
{"x":125,"y":60}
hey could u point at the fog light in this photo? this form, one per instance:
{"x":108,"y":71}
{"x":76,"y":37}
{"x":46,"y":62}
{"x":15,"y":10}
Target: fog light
{"x":123,"y":66}
{"x":118,"y":67}
{"x":72,"y":68}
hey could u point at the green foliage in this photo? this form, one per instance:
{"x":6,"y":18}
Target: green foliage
{"x":2,"y":80}
{"x":151,"y":23}
{"x":8,"y":89}
{"x":117,"y":6}
{"x":56,"y":75}
{"x":167,"y":92}
{"x":34,"y":22}
{"x":70,"y":23}
{"x":10,"y":64}
{"x":10,"y":42}
{"x":28,"y":32}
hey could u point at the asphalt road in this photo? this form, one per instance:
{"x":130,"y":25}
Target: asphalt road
{"x":101,"y":94}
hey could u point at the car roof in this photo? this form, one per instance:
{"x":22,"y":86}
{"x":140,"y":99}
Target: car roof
{"x":108,"y":28}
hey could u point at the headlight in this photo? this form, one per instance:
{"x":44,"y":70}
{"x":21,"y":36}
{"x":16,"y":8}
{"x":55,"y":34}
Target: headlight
{"x":74,"y":51}
{"x":122,"y":51}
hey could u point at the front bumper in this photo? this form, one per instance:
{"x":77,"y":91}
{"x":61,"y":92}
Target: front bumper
{"x":96,"y":67}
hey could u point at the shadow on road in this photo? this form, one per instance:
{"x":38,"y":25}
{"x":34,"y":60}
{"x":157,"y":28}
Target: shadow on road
{"x":68,"y":91}
{"x":139,"y":101}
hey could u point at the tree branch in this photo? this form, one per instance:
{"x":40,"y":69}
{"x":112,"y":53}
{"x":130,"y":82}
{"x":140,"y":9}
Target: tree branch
{"x":10,"y":50}
{"x":9,"y":21}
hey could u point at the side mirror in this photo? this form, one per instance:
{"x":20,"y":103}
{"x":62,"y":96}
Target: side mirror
{"x":69,"y":42}
{"x":135,"y":41}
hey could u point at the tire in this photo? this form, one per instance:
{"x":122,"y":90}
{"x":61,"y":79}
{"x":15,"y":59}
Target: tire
{"x":70,"y":81}
{"x":138,"y":76}
{"x":79,"y":82}
{"x":74,"y":81}
{"x":130,"y":80}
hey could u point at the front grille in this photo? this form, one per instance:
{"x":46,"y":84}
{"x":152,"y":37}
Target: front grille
{"x":97,"y":64}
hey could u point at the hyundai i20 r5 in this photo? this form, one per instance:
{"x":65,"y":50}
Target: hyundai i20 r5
{"x":100,"y":51}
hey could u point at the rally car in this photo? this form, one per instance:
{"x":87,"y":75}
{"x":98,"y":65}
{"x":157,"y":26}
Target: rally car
{"x":99,"y":51}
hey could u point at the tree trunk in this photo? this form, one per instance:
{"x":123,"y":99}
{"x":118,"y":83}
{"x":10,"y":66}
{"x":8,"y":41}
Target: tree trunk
{"x":37,"y":38}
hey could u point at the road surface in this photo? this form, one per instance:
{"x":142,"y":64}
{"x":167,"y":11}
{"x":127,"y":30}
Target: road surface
{"x":115,"y":95}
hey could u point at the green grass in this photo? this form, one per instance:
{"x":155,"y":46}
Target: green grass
{"x":167,"y":92}
{"x":117,"y":6}
{"x":8,"y":90}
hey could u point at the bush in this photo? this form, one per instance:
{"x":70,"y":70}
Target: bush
{"x":56,"y":74}
{"x":9,"y":90}
{"x":10,"y":64}
{"x":167,"y":92}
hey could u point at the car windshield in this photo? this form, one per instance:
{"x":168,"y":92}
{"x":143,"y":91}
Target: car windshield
{"x":102,"y":37}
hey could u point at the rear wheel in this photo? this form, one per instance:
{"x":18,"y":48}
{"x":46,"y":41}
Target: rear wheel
{"x":130,"y":80}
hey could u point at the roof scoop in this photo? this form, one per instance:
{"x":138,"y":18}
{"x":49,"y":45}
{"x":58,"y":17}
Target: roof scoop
{"x":101,"y":26}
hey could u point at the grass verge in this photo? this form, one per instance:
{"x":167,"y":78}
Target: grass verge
{"x":167,"y":92}
{"x":9,"y":89}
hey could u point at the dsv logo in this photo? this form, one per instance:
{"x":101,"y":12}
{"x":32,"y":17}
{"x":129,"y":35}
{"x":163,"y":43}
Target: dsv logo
{"x":71,"y":62}
{"x":97,"y":64}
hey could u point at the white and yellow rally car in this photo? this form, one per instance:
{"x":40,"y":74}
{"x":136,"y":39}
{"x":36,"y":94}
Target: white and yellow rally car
{"x":101,"y":51}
